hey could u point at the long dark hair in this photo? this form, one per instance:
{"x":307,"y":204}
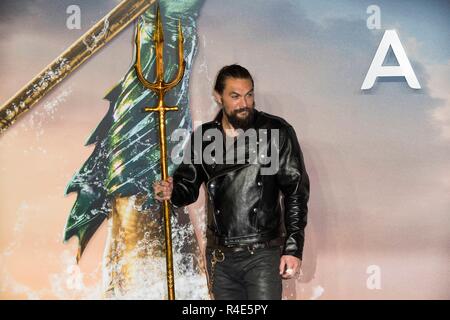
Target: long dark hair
{"x":231,"y":71}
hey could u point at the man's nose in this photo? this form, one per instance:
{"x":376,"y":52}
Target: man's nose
{"x":244,"y":102}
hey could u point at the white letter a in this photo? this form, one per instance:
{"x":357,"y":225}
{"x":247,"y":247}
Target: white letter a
{"x":390,"y":39}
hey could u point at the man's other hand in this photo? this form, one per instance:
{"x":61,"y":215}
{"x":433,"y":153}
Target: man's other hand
{"x":289,"y":266}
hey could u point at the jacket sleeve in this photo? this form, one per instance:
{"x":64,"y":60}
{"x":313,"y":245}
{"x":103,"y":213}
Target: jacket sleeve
{"x":293,"y":181}
{"x":189,"y":175}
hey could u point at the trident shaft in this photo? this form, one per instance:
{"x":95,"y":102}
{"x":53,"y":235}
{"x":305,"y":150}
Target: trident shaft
{"x":161,"y":88}
{"x":82,"y":49}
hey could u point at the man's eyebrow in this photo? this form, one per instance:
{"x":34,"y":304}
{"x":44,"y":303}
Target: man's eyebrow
{"x":236,"y":93}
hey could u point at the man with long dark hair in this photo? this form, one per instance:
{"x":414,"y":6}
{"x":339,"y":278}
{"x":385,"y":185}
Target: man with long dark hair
{"x":247,"y":159}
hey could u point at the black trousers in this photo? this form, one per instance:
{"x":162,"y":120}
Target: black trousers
{"x":246,"y":276}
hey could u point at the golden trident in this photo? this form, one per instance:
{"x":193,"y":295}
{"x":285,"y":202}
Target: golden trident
{"x":161,"y":88}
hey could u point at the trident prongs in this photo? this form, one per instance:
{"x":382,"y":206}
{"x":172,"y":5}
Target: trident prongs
{"x":160,"y":86}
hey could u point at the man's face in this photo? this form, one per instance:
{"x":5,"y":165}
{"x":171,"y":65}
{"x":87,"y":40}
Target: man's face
{"x":238,"y":102}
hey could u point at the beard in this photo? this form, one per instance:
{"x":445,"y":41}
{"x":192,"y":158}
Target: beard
{"x":240,"y":122}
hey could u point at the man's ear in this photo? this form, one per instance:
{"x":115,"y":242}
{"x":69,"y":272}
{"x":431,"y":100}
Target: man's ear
{"x":217,"y":97}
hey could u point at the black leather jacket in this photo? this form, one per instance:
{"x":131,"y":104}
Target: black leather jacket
{"x":244,"y":205}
